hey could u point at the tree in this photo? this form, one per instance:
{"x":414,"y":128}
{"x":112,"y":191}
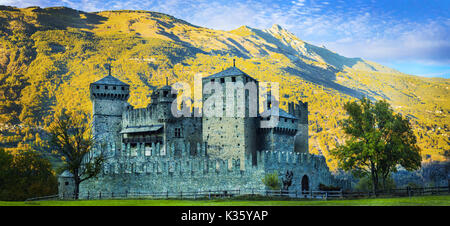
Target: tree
{"x":25,"y":175}
{"x":71,"y":135}
{"x":6,"y":162}
{"x":379,"y":141}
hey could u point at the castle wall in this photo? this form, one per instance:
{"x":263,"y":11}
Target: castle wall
{"x":301,"y":144}
{"x":172,"y":172}
{"x":227,"y":137}
{"x":283,"y":141}
{"x":302,"y":136}
{"x":301,"y":164}
{"x":107,"y":127}
{"x":279,"y":140}
{"x":139,"y":117}
{"x":175,"y":172}
{"x":190,"y":132}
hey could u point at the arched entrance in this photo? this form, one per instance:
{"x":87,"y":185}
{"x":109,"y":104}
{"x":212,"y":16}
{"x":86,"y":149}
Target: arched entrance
{"x":305,"y":183}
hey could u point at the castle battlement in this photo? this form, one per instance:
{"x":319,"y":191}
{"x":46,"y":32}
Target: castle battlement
{"x":156,"y":160}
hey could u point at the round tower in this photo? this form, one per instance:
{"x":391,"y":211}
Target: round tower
{"x":164,"y":99}
{"x":66,"y":185}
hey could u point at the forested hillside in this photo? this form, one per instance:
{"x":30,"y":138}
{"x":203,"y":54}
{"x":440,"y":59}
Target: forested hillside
{"x":49,"y":56}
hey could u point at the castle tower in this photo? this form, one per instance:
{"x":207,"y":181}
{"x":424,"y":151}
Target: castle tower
{"x":300,"y":111}
{"x":233,"y":134}
{"x":163,"y":99}
{"x":109,"y":98}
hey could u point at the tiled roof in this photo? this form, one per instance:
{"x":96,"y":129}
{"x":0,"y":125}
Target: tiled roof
{"x":231,"y":71}
{"x":110,"y":80}
{"x":140,"y":129}
{"x":286,"y":115}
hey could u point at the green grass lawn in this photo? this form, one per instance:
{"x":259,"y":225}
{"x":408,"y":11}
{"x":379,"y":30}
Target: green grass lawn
{"x":414,"y":201}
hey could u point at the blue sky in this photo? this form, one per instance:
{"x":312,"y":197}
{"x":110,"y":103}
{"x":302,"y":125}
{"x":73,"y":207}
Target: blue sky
{"x":411,"y":36}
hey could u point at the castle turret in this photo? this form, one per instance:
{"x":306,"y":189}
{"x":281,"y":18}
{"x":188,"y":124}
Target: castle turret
{"x":163,"y":98}
{"x":109,"y":98}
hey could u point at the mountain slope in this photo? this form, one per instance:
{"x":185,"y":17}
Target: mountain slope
{"x":49,"y":56}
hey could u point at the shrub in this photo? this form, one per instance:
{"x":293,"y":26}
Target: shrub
{"x":365,"y":184}
{"x":272,"y":181}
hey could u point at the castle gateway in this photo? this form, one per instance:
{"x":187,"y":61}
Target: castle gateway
{"x":149,"y":150}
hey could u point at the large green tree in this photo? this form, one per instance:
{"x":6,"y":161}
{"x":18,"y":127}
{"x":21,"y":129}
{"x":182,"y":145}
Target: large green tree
{"x":379,"y":141}
{"x":25,"y":175}
{"x":71,"y":136}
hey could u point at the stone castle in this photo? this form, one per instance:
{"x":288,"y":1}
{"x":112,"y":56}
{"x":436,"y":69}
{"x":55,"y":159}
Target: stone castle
{"x":150,"y":150}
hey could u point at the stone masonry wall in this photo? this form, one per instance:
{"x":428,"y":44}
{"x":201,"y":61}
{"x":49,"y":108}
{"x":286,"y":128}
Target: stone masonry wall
{"x":146,"y":172}
{"x":173,"y":172}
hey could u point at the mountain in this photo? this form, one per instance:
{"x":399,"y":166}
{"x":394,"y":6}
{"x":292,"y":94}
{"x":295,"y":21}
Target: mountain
{"x":48,"y":56}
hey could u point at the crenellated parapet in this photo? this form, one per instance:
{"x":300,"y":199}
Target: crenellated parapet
{"x":155,"y":159}
{"x":280,"y":159}
{"x":173,"y":168}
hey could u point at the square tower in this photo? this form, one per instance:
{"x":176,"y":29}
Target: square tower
{"x":231,"y":131}
{"x":109,"y":98}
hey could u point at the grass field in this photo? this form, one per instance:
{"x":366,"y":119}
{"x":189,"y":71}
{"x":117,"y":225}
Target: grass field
{"x":413,"y":201}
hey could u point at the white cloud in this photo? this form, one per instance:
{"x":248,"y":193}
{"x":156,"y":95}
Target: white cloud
{"x":354,"y":31}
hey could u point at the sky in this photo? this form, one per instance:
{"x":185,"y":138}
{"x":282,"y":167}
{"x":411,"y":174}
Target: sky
{"x":412,"y":36}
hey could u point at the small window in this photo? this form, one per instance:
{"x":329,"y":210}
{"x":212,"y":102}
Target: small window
{"x":165,"y":93}
{"x":178,"y":132}
{"x":106,"y":87}
{"x":114,"y":88}
{"x":67,"y":183}
{"x":123,"y":88}
{"x":233,"y":79}
{"x":222,"y":80}
{"x":98,"y":87}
